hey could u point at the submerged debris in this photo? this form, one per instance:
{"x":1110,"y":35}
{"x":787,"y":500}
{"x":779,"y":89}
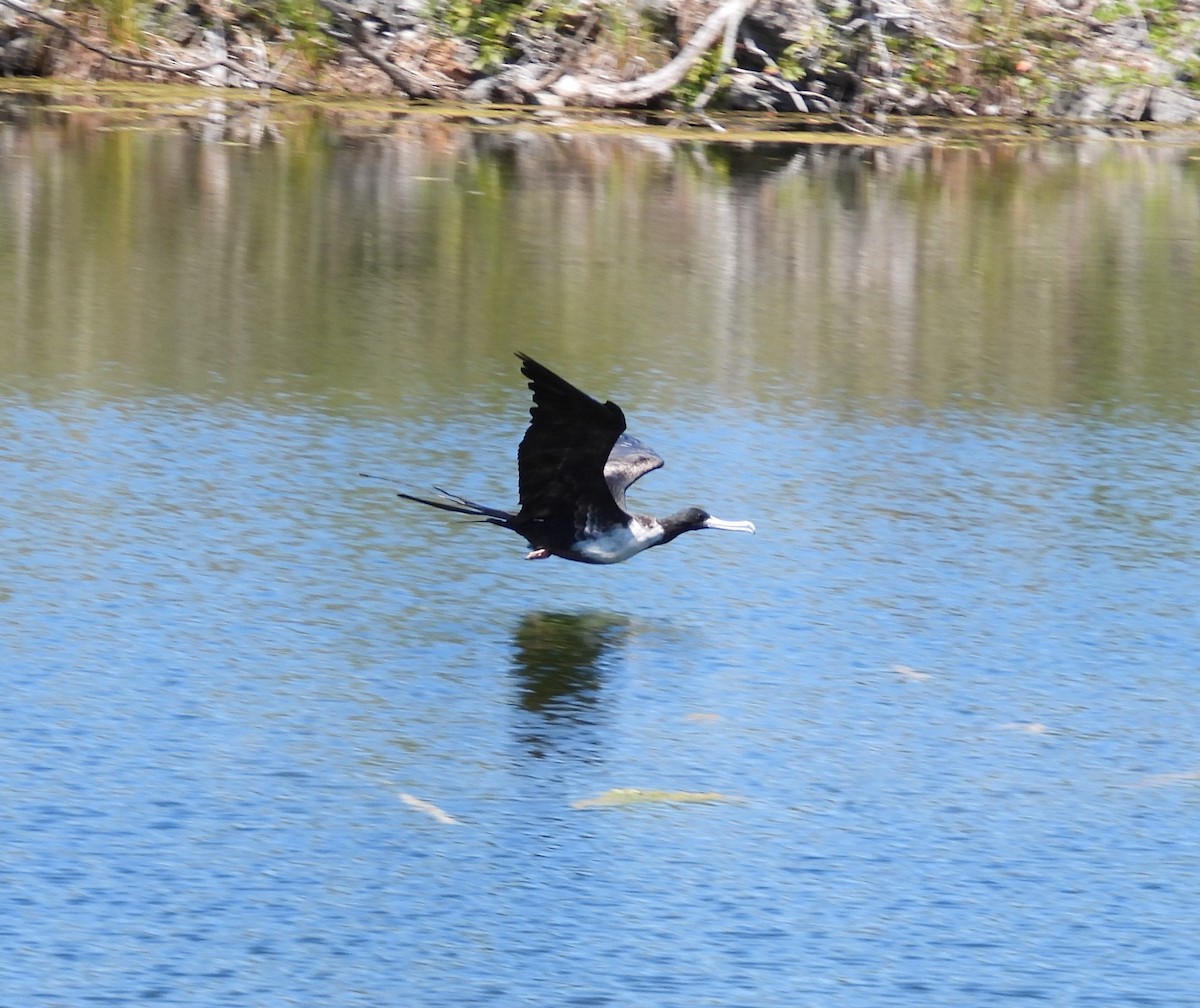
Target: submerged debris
{"x":1027,"y":727}
{"x":622,"y":797}
{"x":431,"y":810}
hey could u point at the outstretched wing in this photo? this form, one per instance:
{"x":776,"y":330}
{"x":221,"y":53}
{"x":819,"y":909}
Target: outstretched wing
{"x":629,"y":460}
{"x":561,"y":460}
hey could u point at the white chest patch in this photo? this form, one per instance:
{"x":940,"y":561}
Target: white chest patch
{"x":622,"y":542}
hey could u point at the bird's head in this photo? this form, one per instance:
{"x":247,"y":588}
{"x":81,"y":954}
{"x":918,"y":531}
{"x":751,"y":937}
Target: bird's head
{"x":695,"y":518}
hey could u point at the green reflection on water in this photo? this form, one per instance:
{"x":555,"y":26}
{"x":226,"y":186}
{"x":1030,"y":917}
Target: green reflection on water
{"x":391,"y":263}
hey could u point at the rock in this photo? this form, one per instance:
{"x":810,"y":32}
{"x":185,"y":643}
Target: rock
{"x":514,"y":85}
{"x":24,"y":53}
{"x":785,"y":19}
{"x":1099,"y":102}
{"x":1173,"y":106}
{"x":748,"y":93}
{"x":393,"y":12}
{"x":479,"y":92}
{"x":1133,"y":103}
{"x":568,"y":88}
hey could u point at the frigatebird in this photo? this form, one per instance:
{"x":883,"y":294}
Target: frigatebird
{"x":573,"y":468}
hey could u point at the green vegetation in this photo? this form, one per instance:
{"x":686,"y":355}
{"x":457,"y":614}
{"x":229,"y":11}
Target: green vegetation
{"x":1170,"y":33}
{"x":122,"y":20}
{"x":817,"y":53}
{"x":302,"y":24}
{"x":705,"y":74}
{"x":1008,"y":54}
{"x":502,"y":31}
{"x":489,"y":25}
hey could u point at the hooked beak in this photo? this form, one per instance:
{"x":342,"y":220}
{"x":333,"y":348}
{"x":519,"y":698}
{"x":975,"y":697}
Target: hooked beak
{"x":729,"y":526}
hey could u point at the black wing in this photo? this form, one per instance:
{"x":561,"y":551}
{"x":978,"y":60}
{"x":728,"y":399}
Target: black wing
{"x":629,"y":460}
{"x":561,"y":460}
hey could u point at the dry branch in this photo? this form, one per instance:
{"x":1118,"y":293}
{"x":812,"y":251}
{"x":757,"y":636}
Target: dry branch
{"x":412,"y":83}
{"x":591,"y":91}
{"x":184,"y":69}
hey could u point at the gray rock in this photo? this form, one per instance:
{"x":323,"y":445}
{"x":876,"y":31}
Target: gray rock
{"x":1100,"y":102}
{"x":24,"y":55}
{"x":1132,"y":103}
{"x":1175,"y":106}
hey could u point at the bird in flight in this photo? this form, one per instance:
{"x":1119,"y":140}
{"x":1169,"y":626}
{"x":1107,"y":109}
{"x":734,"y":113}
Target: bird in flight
{"x":573,"y":468}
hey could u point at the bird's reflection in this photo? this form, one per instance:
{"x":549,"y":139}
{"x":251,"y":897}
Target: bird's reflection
{"x":559,"y":661}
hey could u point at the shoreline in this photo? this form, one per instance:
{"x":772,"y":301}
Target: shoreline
{"x":853,"y":65}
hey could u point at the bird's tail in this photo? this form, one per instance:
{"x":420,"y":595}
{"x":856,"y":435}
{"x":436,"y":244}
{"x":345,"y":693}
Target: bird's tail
{"x":460,"y":505}
{"x":452,"y":502}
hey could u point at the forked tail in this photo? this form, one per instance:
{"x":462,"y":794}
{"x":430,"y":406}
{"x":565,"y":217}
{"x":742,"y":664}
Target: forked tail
{"x":460,"y":505}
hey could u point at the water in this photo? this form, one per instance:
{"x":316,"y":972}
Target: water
{"x":272,"y":736}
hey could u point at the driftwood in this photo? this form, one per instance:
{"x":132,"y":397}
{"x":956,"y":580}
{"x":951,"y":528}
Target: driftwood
{"x":725,"y":20}
{"x":566,"y":88}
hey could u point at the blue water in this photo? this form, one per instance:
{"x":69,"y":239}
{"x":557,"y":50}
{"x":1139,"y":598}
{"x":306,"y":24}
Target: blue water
{"x":951,"y":686}
{"x":271,"y":736}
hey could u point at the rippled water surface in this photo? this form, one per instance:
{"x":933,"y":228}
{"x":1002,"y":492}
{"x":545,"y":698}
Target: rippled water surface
{"x":272,"y":736}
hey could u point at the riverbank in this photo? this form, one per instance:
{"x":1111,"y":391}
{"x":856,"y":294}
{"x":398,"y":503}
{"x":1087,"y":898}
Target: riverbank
{"x":1087,"y":60}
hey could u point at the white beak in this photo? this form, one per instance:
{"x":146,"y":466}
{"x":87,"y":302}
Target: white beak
{"x":729,"y":526}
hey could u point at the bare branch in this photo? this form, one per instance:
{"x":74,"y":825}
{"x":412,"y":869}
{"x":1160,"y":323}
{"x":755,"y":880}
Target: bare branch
{"x":185,"y":69}
{"x":775,"y":77}
{"x":412,"y":83}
